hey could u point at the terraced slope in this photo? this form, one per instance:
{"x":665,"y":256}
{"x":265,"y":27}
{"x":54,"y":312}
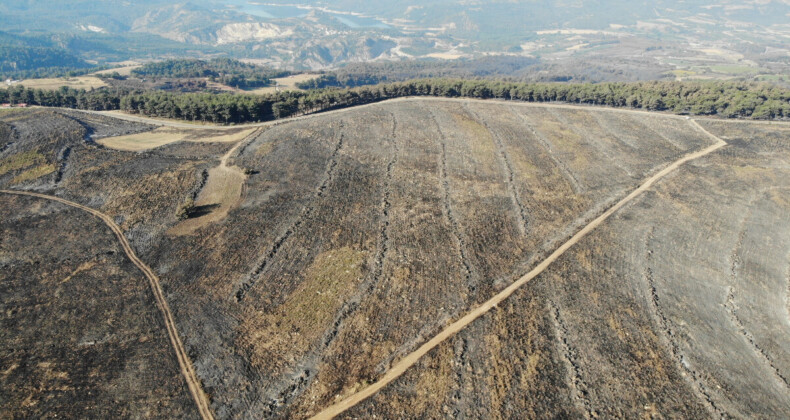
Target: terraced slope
{"x":360,"y":234}
{"x":675,"y":307}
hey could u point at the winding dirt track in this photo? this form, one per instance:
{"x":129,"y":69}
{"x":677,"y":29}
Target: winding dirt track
{"x":193,"y":383}
{"x":411,"y":359}
{"x":223,"y":188}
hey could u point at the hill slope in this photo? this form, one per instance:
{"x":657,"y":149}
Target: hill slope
{"x":361,"y":233}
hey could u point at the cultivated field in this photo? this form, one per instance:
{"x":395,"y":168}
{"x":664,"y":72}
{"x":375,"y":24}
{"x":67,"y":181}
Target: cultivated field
{"x":80,"y":82}
{"x":125,"y":70}
{"x":322,"y":251}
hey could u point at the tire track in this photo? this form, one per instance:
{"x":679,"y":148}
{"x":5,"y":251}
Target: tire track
{"x":187,"y":370}
{"x":382,"y":243}
{"x":252,"y":278}
{"x":579,"y":389}
{"x":461,"y":348}
{"x":400,"y":367}
{"x":732,"y":309}
{"x":541,"y":138}
{"x":460,"y":238}
{"x":521,"y":211}
{"x":657,"y":313}
{"x":461,"y":353}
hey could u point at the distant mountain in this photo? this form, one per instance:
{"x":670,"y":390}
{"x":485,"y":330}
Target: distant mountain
{"x":19,"y":53}
{"x":645,"y":37}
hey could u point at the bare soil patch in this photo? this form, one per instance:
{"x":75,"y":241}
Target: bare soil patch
{"x":167,"y":135}
{"x":80,"y":82}
{"x":285,"y":83}
{"x":220,"y":194}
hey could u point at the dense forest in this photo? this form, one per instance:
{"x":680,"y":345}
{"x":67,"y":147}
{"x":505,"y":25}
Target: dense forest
{"x":50,"y":72}
{"x":361,"y":74}
{"x":223,"y":70}
{"x":336,"y":80}
{"x":36,"y":59}
{"x":105,"y":99}
{"x":726,"y":99}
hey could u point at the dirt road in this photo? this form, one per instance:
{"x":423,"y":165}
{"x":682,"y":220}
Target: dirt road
{"x":411,"y":359}
{"x":193,"y":383}
{"x":223,"y":190}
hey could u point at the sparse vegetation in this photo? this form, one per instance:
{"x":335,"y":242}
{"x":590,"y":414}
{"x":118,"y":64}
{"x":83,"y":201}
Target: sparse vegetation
{"x":21,"y":161}
{"x":34,"y":173}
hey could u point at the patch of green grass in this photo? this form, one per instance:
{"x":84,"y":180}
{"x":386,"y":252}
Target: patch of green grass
{"x":34,"y":173}
{"x":21,"y":161}
{"x":328,"y":280}
{"x":683,"y":73}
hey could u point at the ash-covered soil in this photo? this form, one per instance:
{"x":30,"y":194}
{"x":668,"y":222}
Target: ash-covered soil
{"x":676,"y":307}
{"x":360,"y":234}
{"x":80,"y":336}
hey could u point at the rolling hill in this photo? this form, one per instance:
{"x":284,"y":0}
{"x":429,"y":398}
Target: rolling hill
{"x":656,"y":246}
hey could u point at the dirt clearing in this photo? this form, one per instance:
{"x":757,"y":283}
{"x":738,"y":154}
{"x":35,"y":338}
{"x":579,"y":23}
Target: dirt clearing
{"x":285,"y":83}
{"x":167,"y":135}
{"x":220,"y":194}
{"x":82,"y":82}
{"x":123,"y":71}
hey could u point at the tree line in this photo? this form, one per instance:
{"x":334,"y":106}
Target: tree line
{"x":104,"y":99}
{"x":372,"y":73}
{"x":223,"y":70}
{"x":335,"y":80}
{"x":727,"y":99}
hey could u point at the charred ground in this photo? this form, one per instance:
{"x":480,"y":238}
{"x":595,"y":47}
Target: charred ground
{"x":360,"y":234}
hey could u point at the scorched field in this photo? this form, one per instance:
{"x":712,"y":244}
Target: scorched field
{"x":357,"y":263}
